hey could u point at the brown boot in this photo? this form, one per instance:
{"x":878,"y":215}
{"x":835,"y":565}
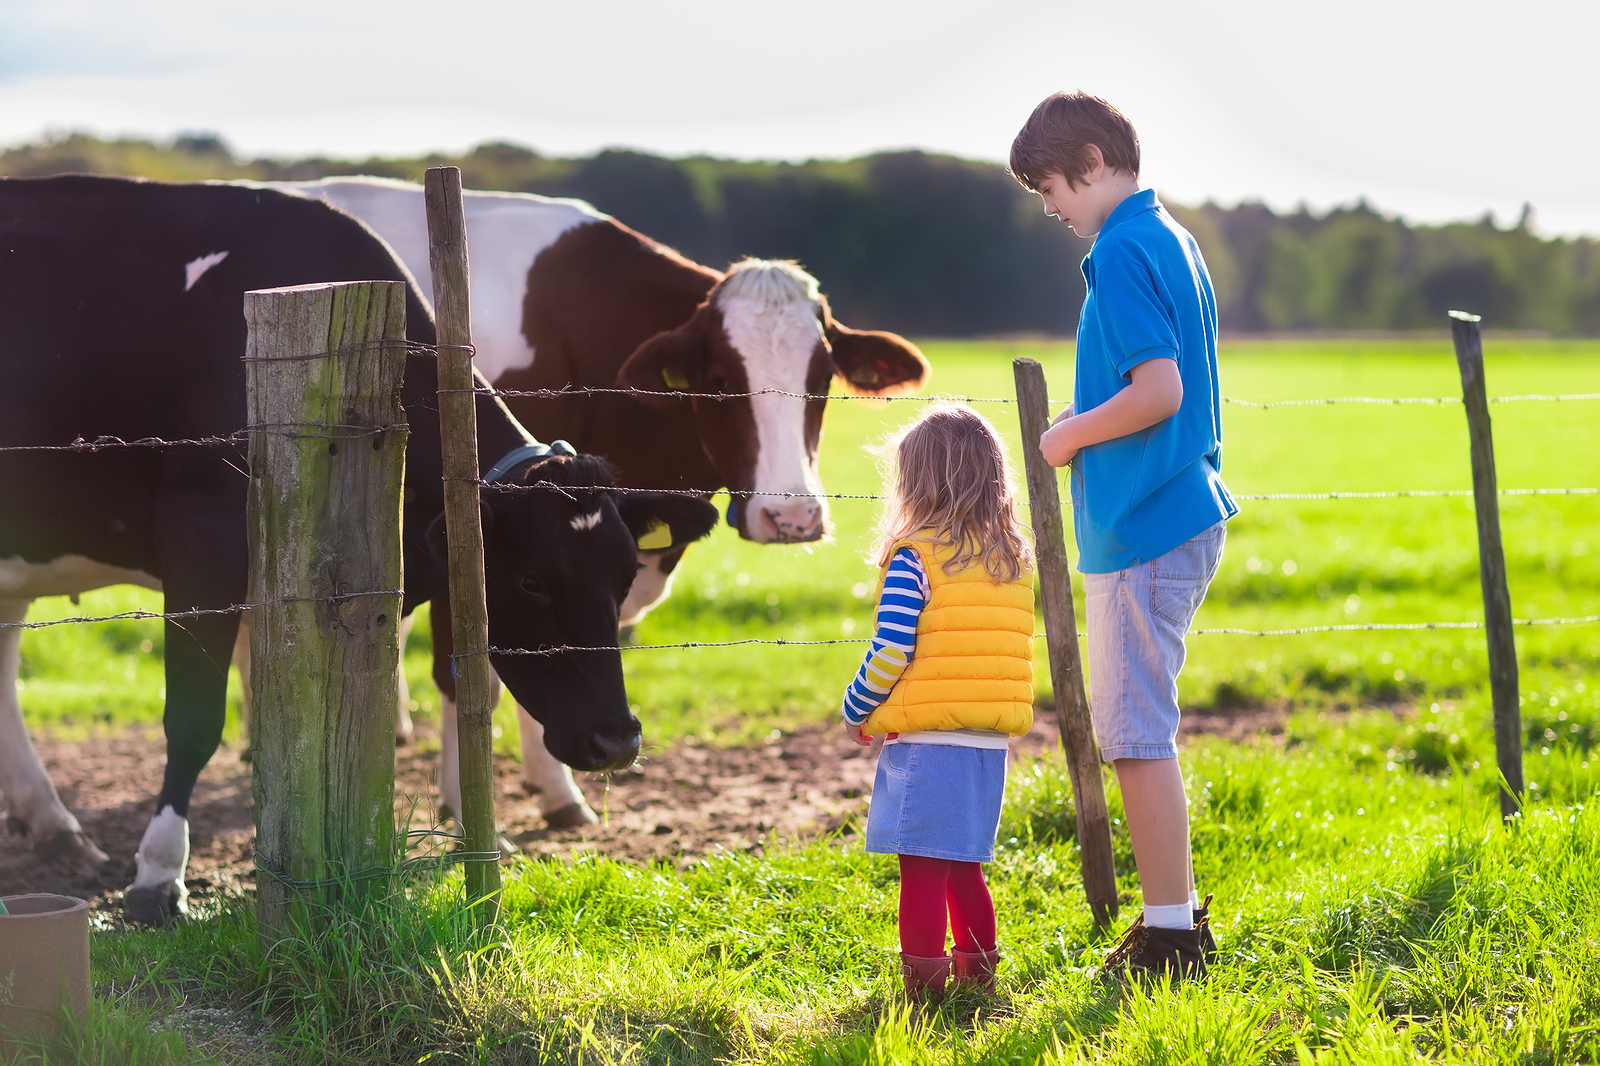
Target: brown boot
{"x":1149,"y":952}
{"x":1208,"y":942}
{"x":976,"y":968}
{"x":924,"y":977}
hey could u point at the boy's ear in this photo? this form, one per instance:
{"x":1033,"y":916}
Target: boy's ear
{"x":874,"y":362}
{"x":669,"y":362}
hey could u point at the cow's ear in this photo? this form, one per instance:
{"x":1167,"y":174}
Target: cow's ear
{"x":872,"y":362}
{"x":669,"y":362}
{"x":661,"y":521}
{"x":437,"y":540}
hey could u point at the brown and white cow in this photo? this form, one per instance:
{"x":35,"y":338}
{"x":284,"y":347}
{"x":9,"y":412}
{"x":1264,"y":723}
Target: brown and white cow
{"x":564,"y":297}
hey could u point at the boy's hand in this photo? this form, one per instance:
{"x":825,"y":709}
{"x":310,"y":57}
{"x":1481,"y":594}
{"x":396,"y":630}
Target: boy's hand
{"x":1065,"y":414}
{"x":853,"y":731}
{"x":1057,"y":444}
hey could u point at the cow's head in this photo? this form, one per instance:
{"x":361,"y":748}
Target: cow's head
{"x":766,"y":329}
{"x":560,"y":548}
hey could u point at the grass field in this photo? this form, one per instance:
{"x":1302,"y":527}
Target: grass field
{"x":1370,"y":910}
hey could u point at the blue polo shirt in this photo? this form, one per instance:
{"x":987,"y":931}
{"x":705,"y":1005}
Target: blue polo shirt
{"x":1149,"y":297}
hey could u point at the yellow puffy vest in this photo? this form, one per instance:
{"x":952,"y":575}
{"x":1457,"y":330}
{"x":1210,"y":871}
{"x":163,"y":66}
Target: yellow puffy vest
{"x":973,"y":666}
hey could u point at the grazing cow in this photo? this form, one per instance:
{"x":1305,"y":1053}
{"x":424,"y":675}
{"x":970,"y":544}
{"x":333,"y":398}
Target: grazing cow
{"x":566,"y":297}
{"x":122,"y":310}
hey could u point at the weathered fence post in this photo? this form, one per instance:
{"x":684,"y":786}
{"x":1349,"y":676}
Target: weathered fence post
{"x":1061,"y":635}
{"x":1468,"y":336}
{"x":469,"y":616}
{"x":323,"y":367}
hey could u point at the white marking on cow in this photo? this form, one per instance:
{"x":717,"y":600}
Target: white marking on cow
{"x":586,"y":521}
{"x":651,"y":585}
{"x":64,"y":575}
{"x":164,"y":852}
{"x":507,"y":231}
{"x":196,"y":268}
{"x":770,"y":311}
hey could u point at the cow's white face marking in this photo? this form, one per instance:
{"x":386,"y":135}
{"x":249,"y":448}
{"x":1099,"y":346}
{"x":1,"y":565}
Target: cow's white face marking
{"x":64,"y":576}
{"x":771,"y":312}
{"x":164,"y":851}
{"x":586,"y":521}
{"x":195,"y":269}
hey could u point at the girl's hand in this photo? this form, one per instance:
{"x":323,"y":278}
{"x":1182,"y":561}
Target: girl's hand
{"x":853,"y":731}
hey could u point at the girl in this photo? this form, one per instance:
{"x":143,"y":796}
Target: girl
{"x":948,"y":678}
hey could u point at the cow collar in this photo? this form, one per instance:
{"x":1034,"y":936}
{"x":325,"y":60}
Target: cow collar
{"x":517,"y":456}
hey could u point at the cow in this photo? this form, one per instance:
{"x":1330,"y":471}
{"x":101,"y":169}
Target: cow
{"x":565,"y":297}
{"x":121,"y":314}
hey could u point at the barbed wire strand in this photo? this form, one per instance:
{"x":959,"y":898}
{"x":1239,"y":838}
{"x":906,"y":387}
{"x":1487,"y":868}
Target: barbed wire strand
{"x":571,"y":391}
{"x":1215,"y":631}
{"x":198,"y":612}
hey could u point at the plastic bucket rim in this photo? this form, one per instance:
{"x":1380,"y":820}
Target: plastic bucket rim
{"x":68,"y":905}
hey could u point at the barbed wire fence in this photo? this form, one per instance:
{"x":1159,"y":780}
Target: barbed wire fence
{"x":239,"y":438}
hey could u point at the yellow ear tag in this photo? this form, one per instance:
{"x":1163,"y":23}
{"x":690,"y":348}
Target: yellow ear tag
{"x":657,"y":537}
{"x":674,"y":379}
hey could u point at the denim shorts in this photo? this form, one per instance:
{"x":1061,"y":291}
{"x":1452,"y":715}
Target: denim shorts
{"x":1137,"y":619}
{"x":938,"y":801}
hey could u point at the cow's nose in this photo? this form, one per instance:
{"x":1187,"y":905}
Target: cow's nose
{"x":797,"y":520}
{"x":614,"y":751}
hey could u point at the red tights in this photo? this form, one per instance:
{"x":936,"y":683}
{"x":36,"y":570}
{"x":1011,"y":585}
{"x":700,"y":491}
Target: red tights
{"x":930,"y":888}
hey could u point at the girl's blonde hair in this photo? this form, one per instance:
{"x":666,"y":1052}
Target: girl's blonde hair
{"x":949,"y":473}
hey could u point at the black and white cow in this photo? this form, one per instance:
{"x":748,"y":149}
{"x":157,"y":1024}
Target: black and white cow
{"x":564,"y":296}
{"x":121,"y":314}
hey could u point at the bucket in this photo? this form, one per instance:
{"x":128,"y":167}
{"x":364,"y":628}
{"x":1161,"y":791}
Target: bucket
{"x":44,"y":964}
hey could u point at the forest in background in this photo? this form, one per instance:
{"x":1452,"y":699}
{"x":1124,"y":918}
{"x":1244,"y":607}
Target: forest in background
{"x":933,"y":245}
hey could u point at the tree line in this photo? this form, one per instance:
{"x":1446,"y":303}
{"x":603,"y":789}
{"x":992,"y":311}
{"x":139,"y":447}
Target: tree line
{"x":932,"y":245}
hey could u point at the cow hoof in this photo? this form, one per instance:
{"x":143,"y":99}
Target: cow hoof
{"x":571,"y":816}
{"x":158,"y":905}
{"x":70,"y":847}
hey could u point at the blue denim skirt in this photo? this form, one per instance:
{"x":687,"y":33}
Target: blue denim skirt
{"x":937,"y":800}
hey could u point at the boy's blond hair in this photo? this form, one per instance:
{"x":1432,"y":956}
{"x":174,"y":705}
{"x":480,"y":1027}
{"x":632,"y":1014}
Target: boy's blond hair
{"x":1056,"y":138}
{"x":949,"y":473}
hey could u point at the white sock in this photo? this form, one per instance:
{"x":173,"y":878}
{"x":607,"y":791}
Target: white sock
{"x":1168,"y":916}
{"x":1194,"y":898}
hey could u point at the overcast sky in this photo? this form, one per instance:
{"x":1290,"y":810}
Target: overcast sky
{"x":1436,"y":111}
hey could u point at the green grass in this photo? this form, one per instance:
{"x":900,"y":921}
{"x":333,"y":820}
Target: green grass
{"x":1370,"y":907}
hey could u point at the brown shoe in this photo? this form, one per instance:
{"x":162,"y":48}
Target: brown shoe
{"x":1149,"y":952}
{"x":1208,"y":942}
{"x":976,"y":968}
{"x":924,"y":977}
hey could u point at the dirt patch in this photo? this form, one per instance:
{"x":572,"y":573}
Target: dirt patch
{"x":681,"y":804}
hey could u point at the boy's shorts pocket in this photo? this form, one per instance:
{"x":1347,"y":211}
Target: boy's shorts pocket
{"x":1177,"y":603}
{"x":1178,"y":579}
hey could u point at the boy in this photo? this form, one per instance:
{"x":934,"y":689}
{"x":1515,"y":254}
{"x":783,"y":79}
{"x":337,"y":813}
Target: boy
{"x":1144,"y":438}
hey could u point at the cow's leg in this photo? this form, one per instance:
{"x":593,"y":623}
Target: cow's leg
{"x":560,"y":801}
{"x":197,"y":691}
{"x":33,"y":808}
{"x":241,"y":660}
{"x":449,"y":761}
{"x":403,"y":727}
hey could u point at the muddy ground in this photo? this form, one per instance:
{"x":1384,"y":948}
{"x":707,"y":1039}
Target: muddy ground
{"x":681,"y":804}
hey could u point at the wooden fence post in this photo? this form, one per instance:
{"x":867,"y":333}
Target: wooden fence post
{"x":1061,"y":634}
{"x":469,"y":615}
{"x":1468,"y":336}
{"x":327,"y":460}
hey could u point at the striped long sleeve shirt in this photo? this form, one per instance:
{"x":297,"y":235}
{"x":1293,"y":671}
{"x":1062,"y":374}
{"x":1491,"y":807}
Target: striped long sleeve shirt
{"x":894,"y":642}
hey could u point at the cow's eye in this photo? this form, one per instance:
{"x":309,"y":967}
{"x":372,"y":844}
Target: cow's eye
{"x":533,"y":589}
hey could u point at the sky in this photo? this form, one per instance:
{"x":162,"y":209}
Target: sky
{"x":1432,"y":111}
